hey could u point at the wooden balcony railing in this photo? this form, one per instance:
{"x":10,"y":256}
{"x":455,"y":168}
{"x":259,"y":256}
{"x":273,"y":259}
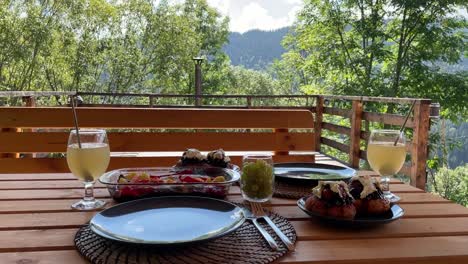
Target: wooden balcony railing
{"x":340,"y":122}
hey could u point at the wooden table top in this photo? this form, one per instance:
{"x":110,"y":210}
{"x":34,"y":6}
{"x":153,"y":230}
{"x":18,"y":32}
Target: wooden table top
{"x":38,"y":226}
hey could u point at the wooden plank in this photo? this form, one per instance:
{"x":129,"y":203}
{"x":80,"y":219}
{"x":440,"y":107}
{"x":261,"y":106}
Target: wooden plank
{"x":334,"y":144}
{"x":63,"y":205}
{"x":56,"y":239}
{"x":48,"y":194}
{"x":37,"y":240}
{"x":411,"y":211}
{"x":141,"y":141}
{"x":313,"y":229}
{"x":420,"y":141}
{"x":337,"y":128}
{"x":355,"y":139}
{"x":102,"y":192}
{"x":44,"y":185}
{"x":427,"y":250}
{"x":155,"y":118}
{"x":345,"y":252}
{"x":46,"y":165}
{"x":318,"y":122}
{"x":9,"y":130}
{"x":406,"y":198}
{"x":70,"y":219}
{"x":390,"y":119}
{"x":337,"y":111}
{"x":37,"y":176}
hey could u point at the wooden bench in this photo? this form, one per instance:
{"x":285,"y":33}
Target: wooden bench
{"x":152,"y":130}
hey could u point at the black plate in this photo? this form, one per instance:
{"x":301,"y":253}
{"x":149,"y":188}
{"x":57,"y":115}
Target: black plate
{"x":168,"y":220}
{"x":313,"y":172}
{"x":395,"y":213}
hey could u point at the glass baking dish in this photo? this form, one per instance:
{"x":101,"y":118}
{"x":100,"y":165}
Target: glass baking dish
{"x":125,"y":191}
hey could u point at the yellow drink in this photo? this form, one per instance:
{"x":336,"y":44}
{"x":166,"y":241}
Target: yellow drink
{"x":89,"y":162}
{"x":385,"y":158}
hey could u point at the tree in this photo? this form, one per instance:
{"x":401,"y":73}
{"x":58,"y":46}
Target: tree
{"x":381,"y":48}
{"x":107,"y":46}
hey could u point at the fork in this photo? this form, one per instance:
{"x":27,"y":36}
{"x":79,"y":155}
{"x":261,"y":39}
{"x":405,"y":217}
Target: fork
{"x":258,"y":211}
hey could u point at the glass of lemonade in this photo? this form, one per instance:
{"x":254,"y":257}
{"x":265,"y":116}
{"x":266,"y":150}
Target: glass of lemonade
{"x":88,"y":162}
{"x":385,"y":157}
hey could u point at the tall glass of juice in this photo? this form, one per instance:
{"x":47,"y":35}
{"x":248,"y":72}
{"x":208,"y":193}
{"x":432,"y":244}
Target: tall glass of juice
{"x":386,"y":154}
{"x":88,"y":159}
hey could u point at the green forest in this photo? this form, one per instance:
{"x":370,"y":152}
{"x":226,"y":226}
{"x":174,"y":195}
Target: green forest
{"x":394,"y":48}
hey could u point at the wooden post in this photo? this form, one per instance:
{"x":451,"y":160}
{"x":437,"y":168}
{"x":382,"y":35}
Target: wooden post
{"x":419,"y":144}
{"x":9,"y":155}
{"x":281,"y":131}
{"x":29,"y":101}
{"x":355,"y":135}
{"x":318,"y":121}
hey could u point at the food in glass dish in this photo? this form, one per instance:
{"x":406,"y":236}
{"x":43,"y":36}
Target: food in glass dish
{"x":331,"y":199}
{"x":134,"y":183}
{"x":368,"y":196}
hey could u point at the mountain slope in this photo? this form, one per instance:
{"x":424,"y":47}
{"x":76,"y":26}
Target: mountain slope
{"x":255,"y":49}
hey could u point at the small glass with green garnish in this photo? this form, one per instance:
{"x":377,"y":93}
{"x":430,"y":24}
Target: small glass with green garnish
{"x":257,"y":178}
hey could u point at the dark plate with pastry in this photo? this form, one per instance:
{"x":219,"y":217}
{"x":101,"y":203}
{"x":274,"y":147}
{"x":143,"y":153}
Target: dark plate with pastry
{"x":357,"y":203}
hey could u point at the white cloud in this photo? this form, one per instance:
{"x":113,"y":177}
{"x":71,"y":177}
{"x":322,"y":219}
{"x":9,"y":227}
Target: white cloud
{"x":258,"y":14}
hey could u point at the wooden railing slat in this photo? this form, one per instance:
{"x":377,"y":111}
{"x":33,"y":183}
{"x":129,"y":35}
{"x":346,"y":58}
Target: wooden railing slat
{"x":336,"y":128}
{"x":390,"y":119}
{"x":334,"y":144}
{"x":337,"y":111}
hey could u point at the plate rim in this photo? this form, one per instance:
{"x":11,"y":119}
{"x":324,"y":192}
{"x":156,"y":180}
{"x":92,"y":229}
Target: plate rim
{"x":354,"y":172}
{"x":301,"y":203}
{"x":107,"y":235}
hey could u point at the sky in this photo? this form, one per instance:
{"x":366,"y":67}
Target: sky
{"x":246,"y":15}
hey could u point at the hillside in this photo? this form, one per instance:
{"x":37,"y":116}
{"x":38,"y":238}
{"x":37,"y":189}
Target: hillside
{"x":255,"y":49}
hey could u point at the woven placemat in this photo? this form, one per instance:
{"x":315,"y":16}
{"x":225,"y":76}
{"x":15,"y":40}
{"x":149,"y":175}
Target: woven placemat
{"x":245,"y":245}
{"x":288,"y":190}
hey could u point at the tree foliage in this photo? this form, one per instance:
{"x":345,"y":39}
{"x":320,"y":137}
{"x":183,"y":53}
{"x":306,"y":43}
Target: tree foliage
{"x":381,"y":48}
{"x":107,"y":46}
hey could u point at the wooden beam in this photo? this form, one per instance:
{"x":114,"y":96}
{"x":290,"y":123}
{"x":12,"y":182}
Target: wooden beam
{"x":318,"y":122}
{"x":377,"y":99}
{"x":420,"y":143}
{"x":31,"y":142}
{"x":355,"y":135}
{"x":57,"y":165}
{"x":61,"y":117}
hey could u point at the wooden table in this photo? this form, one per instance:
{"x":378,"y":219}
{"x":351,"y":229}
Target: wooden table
{"x":37,"y":226}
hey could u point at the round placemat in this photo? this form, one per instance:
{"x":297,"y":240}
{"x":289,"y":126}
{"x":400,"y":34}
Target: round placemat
{"x":284,"y":189}
{"x":245,"y":245}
